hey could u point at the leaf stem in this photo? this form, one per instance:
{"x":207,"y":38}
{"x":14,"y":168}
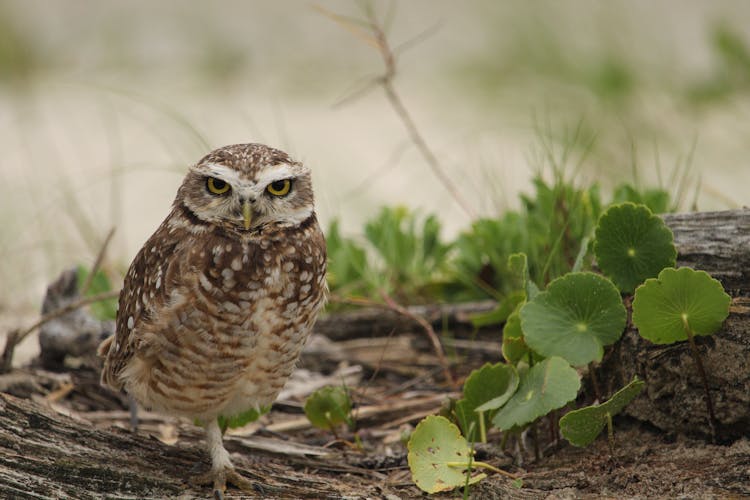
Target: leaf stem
{"x":610,"y":435}
{"x":482,"y":428}
{"x":504,"y":440}
{"x":482,"y":465}
{"x":697,"y":357}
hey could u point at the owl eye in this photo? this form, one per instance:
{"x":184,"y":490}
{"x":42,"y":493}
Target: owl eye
{"x":217,"y":186}
{"x":279,"y":188}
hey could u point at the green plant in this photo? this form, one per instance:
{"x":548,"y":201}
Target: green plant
{"x":403,"y":256}
{"x":544,"y":387}
{"x":549,"y":229}
{"x":656,"y":199}
{"x":632,"y":244}
{"x":99,"y":283}
{"x":489,"y":387}
{"x":574,"y":318}
{"x":412,"y":254}
{"x":546,"y":333}
{"x":678,"y":305}
{"x":329,"y":407}
{"x":440,"y":459}
{"x":242,"y":419}
{"x":582,"y":426}
{"x":347,"y":264}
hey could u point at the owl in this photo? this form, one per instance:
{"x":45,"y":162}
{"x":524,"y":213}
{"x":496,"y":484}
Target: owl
{"x":218,"y":303}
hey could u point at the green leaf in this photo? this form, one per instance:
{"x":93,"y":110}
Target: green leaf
{"x":678,"y":299}
{"x":435,"y":448}
{"x":546,"y":386}
{"x":329,"y":407}
{"x":518,"y":265}
{"x":582,"y":426}
{"x":486,"y":389}
{"x":514,"y":347}
{"x":632,"y":244}
{"x":489,"y":385}
{"x":242,"y":419}
{"x":104,"y":309}
{"x":574,"y":318}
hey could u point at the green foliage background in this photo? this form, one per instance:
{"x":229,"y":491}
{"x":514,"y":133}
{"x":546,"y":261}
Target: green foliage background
{"x":403,"y":254}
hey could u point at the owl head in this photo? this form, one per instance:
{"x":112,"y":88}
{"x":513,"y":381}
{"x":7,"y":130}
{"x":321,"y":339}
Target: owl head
{"x":245,"y":187}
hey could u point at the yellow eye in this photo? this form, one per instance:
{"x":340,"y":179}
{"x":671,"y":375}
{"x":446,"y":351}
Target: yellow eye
{"x":217,"y":186}
{"x":279,"y":188}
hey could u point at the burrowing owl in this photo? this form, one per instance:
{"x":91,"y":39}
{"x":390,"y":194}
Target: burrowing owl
{"x":217,"y":305}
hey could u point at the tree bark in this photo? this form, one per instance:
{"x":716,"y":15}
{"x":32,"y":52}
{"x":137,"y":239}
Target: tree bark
{"x":674,"y":401}
{"x":44,"y":454}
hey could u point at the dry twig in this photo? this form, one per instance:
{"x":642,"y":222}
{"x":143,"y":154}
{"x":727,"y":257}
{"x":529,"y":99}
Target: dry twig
{"x":437,"y":346}
{"x":391,"y":305}
{"x":377,"y":38}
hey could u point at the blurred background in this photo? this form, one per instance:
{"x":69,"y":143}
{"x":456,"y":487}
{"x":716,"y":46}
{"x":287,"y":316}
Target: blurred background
{"x":103,"y":105}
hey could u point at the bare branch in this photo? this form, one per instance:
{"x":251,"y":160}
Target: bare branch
{"x":436,"y":345}
{"x":377,"y":39}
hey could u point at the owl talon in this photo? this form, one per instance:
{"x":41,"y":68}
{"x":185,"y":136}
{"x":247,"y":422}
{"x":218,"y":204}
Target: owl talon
{"x":220,"y":478}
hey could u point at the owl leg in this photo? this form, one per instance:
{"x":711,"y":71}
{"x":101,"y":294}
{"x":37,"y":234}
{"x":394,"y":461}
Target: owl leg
{"x":222,"y":471}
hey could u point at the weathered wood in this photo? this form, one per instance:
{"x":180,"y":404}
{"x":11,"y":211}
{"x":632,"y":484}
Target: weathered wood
{"x":716,"y":242}
{"x":719,"y":243}
{"x":674,"y":398}
{"x":44,"y":454}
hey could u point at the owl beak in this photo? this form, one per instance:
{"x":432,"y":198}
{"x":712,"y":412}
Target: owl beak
{"x":247,"y":214}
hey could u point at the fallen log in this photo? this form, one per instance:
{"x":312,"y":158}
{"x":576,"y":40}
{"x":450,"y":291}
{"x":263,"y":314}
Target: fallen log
{"x":44,"y":454}
{"x":674,"y":401}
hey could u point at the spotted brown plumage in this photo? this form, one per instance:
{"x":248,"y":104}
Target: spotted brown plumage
{"x":219,"y":302}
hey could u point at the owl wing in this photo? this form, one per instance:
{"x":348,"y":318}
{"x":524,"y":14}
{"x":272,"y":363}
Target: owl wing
{"x":146,"y":290}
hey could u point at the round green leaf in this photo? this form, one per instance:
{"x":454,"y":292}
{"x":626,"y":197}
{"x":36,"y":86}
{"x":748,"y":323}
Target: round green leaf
{"x":439,"y":456}
{"x":546,"y":386}
{"x":328,"y":407}
{"x":582,"y":426}
{"x":574,"y":318}
{"x":678,"y":299}
{"x":632,"y":244}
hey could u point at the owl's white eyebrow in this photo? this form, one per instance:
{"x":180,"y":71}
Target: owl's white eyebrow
{"x":222,"y":172}
{"x":228,"y":175}
{"x":232,"y":176}
{"x":276,"y":173}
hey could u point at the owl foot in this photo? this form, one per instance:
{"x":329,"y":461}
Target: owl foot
{"x":219,"y":479}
